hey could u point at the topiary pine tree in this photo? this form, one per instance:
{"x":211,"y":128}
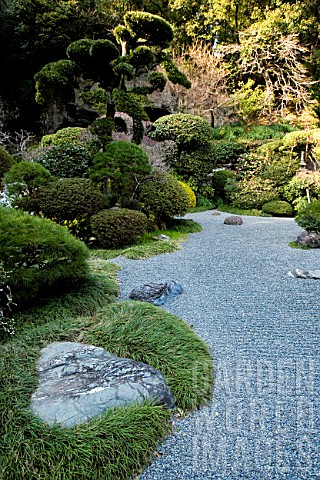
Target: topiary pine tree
{"x":110,"y":76}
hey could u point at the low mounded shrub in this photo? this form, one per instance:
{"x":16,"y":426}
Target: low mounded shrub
{"x":309,"y":217}
{"x":65,"y":135}
{"x":25,"y":177}
{"x":191,"y":194}
{"x":6,"y":161}
{"x":219,"y":181}
{"x":65,"y":161}
{"x":227,"y":152}
{"x":163,"y":197}
{"x":66,"y":199}
{"x":118,"y":227}
{"x":278,"y":208}
{"x":38,"y":254}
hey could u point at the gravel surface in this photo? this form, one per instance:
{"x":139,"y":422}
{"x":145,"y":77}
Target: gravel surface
{"x":262,"y":327}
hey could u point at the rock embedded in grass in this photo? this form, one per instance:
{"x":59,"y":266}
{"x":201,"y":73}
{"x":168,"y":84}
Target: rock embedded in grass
{"x":309,"y":239}
{"x":157,"y":293}
{"x":79,"y":382}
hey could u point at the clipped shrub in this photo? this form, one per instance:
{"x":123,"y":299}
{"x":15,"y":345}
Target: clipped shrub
{"x":65,"y":161}
{"x":219,"y":181}
{"x":151,"y":28}
{"x":6,"y":161}
{"x":253,"y":193}
{"x":278,"y":208}
{"x":120,"y":169}
{"x":65,"y":135}
{"x":296,"y":190}
{"x":281,"y":169}
{"x":66,"y":199}
{"x":25,"y":177}
{"x":38,"y":254}
{"x":191,"y":194}
{"x":187,"y":131}
{"x":309,"y":217}
{"x":163,"y":197}
{"x":118,"y":227}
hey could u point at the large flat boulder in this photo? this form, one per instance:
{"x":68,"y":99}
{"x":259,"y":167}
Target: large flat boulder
{"x":79,"y":382}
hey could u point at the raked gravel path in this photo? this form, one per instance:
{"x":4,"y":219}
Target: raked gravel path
{"x":262,"y":327}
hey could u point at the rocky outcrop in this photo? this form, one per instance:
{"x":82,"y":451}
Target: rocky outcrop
{"x":312,"y":274}
{"x":79,"y":382}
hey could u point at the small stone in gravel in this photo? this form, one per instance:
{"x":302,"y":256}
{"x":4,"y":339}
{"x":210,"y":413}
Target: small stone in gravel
{"x":313,"y":274}
{"x":215,"y":214}
{"x":233,"y":220}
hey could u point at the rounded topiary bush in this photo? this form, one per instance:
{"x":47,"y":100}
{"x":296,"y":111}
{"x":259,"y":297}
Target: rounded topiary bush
{"x":6,"y":161}
{"x":309,"y":217}
{"x":163,"y":197}
{"x":25,"y":177}
{"x":219,"y":181}
{"x":38,"y":254}
{"x":65,"y":135}
{"x":66,"y":199}
{"x":278,"y":208}
{"x":118,"y":227}
{"x":191,"y":194}
{"x":66,"y":160}
{"x":253,"y":193}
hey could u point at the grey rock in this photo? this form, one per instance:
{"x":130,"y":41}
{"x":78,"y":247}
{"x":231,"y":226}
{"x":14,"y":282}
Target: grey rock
{"x":309,"y":239}
{"x":216,"y":214}
{"x":157,"y":293}
{"x":79,"y":382}
{"x":313,"y":274}
{"x":233,"y":220}
{"x":162,"y":237}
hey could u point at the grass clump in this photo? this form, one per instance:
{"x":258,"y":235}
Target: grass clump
{"x":146,"y":247}
{"x":241,"y":211}
{"x":115,"y":445}
{"x":297,"y":245}
{"x":148,"y":334}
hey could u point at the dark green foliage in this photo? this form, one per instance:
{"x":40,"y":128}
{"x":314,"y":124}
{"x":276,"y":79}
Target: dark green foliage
{"x":117,"y":227}
{"x":66,"y":160}
{"x":142,"y":56}
{"x":157,"y":80}
{"x":163,"y":197}
{"x":66,"y":199}
{"x":120,"y":169}
{"x":258,"y":132}
{"x":79,"y":53}
{"x":102,"y":128}
{"x":187,"y":131}
{"x":53,"y":76}
{"x":281,"y":169}
{"x":124,"y":68}
{"x":120,"y":124}
{"x":147,"y":334}
{"x":129,"y":103}
{"x":173,"y":73}
{"x":309,"y":217}
{"x":6,"y":161}
{"x":195,"y":165}
{"x":25,"y":177}
{"x":38,"y":254}
{"x":151,"y":28}
{"x":219,"y":180}
{"x":278,"y":208}
{"x":103,"y":51}
{"x":227,"y":152}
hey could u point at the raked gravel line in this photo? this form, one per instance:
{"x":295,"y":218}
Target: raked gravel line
{"x":262,"y":327}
